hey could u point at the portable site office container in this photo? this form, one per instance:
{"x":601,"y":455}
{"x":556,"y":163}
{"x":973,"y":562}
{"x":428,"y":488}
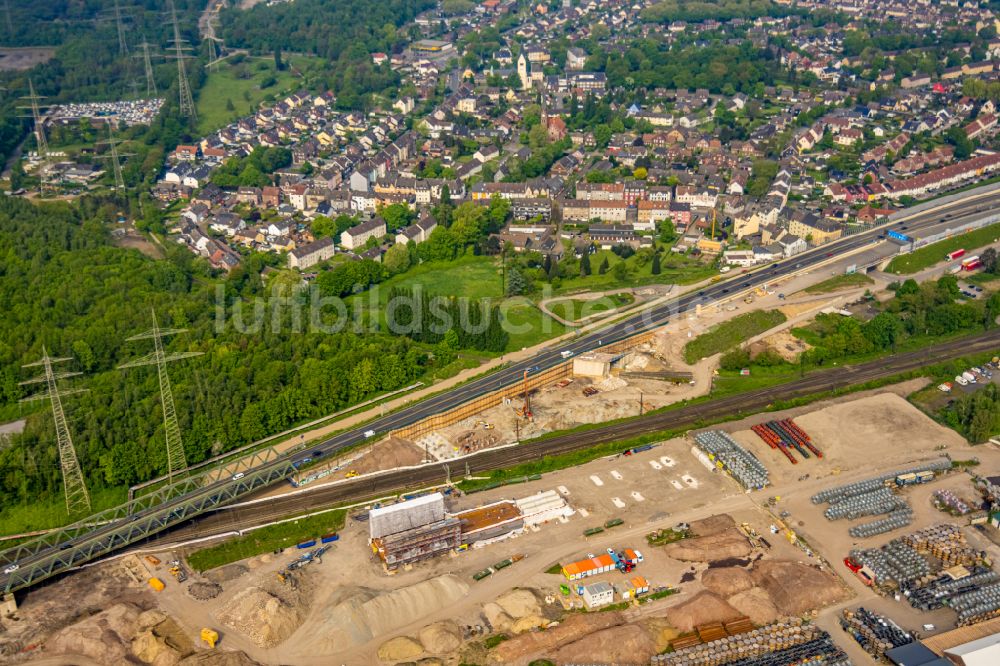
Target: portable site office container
{"x":589,"y":567}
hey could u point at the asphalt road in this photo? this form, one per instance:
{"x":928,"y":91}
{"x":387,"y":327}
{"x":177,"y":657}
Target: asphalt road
{"x":243,"y":516}
{"x":108,"y":537}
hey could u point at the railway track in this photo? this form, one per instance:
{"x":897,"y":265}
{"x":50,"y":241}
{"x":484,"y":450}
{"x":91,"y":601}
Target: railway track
{"x":243,"y":517}
{"x":124,"y":527}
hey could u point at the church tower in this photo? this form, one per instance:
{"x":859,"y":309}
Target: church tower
{"x":522,"y":71}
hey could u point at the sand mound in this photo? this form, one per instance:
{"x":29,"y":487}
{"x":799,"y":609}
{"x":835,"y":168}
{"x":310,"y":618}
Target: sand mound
{"x":544,"y":643}
{"x":104,"y":637}
{"x":712,"y":525}
{"x":727,"y":544}
{"x":260,"y":616}
{"x":400,"y":648}
{"x":523,"y":624}
{"x":796,"y":588}
{"x":441,"y":637}
{"x":726,"y":581}
{"x":702,"y":608}
{"x":497,"y":617}
{"x":358,"y":615}
{"x":626,"y":644}
{"x":519,"y":603}
{"x":755,"y":604}
{"x":661,"y":631}
{"x":150,"y":619}
{"x":218,"y":658}
{"x":163,"y":643}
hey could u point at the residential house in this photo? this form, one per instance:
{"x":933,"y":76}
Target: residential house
{"x":418,"y":232}
{"x":311,"y":254}
{"x":813,"y":227}
{"x":356,"y":237}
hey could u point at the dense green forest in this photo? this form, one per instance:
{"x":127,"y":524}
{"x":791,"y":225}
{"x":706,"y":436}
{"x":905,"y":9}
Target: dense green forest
{"x":666,"y":11}
{"x":651,"y":63}
{"x":977,"y":416}
{"x":56,"y":22}
{"x":918,"y":314}
{"x":304,"y":26}
{"x":63,"y":285}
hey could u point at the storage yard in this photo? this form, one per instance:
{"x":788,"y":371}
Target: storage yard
{"x":662,"y":556}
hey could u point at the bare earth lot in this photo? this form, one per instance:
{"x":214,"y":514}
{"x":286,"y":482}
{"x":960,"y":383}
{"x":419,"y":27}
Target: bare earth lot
{"x":347,"y":610}
{"x":17,"y":59}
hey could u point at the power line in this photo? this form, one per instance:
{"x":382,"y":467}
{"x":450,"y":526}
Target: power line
{"x":176,"y":460}
{"x":77,"y":498}
{"x":115,"y":159}
{"x":122,"y":45}
{"x":39,"y":130}
{"x":147,"y":61}
{"x":180,"y":48}
{"x":36,"y":116}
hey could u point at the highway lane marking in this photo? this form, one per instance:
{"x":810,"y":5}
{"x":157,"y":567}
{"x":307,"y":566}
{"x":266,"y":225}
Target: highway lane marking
{"x":978,"y":344}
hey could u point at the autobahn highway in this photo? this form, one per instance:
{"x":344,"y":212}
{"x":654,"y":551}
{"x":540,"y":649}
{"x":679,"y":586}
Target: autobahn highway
{"x":51,"y":559}
{"x":244,"y":516}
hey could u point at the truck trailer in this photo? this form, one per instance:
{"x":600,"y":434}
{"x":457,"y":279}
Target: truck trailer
{"x":971,"y":263}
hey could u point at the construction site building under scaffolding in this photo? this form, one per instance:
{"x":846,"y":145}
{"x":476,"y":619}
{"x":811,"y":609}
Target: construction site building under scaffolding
{"x":412,"y":531}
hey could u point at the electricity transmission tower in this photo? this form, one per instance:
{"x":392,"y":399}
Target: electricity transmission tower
{"x":36,"y":116}
{"x":122,"y":45}
{"x":147,"y":61}
{"x":213,"y":54}
{"x":39,"y":128}
{"x":175,"y":449}
{"x":180,"y":48}
{"x":77,"y":498}
{"x":115,"y":161}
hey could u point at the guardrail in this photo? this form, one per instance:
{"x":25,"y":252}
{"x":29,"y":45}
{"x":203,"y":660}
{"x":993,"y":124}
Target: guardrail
{"x":948,"y":233}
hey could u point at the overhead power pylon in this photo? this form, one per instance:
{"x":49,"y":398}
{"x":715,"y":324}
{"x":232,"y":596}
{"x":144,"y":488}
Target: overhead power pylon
{"x":176,"y":461}
{"x":77,"y":497}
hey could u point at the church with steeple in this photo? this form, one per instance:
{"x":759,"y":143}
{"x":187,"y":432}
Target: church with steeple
{"x":522,"y":71}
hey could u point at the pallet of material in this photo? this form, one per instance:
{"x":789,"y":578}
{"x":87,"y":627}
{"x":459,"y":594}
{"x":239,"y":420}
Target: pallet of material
{"x":685,"y":642}
{"x":741,"y":626}
{"x":711,"y":632}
